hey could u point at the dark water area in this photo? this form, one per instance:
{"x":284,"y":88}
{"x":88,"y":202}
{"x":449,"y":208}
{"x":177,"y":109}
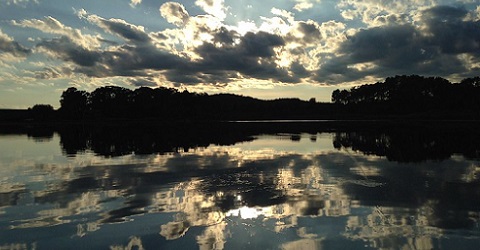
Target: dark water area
{"x":238,"y":185}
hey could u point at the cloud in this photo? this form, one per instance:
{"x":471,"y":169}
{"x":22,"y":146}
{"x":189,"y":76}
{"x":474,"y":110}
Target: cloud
{"x":53,"y":26}
{"x":368,"y":10}
{"x":143,"y":82}
{"x":49,"y":73}
{"x":254,"y":56}
{"x":476,"y":14}
{"x":215,"y":8}
{"x":306,"y":33}
{"x":432,"y":47}
{"x":200,"y":50}
{"x":134,"y":3}
{"x":134,"y":57}
{"x":232,"y":56}
{"x":225,"y":36}
{"x":131,"y":33}
{"x":260,"y":44}
{"x":8,"y":45}
{"x":382,"y":42}
{"x":174,"y":13}
{"x":283,"y":13}
{"x":444,"y":13}
{"x":66,"y":49}
{"x":448,"y":30}
{"x":131,"y":61}
{"x":203,"y":49}
{"x":22,"y":3}
{"x":302,"y":5}
{"x":390,"y":19}
{"x":212,"y":52}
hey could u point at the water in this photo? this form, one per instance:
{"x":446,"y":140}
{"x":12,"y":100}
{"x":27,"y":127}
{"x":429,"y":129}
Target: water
{"x":240,"y":186}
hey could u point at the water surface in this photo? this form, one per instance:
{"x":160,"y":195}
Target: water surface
{"x":239,"y":186}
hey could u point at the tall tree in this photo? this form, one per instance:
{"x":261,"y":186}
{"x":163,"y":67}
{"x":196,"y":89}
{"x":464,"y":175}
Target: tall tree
{"x":74,"y":103}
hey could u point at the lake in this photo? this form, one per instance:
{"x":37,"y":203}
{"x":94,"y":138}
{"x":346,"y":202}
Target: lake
{"x":264,"y":185}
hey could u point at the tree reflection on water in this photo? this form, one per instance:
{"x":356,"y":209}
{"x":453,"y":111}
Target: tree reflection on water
{"x":226,"y":186}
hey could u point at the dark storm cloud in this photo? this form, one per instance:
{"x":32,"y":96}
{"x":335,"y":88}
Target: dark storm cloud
{"x":450,"y":32}
{"x":225,"y":36}
{"x":406,"y":49}
{"x":381,"y":43}
{"x":299,"y":70}
{"x":8,"y":45}
{"x":143,"y":57}
{"x":393,"y":49}
{"x":136,"y":55}
{"x":133,"y":61}
{"x":66,"y":49}
{"x":126,"y":60}
{"x":336,"y":71}
{"x":253,"y":57}
{"x":125,"y":30}
{"x":309,"y":31}
{"x":444,"y":13}
{"x":260,"y":44}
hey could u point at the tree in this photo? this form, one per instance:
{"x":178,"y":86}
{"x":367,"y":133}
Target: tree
{"x":143,"y":102}
{"x":111,"y":101}
{"x":341,"y":96}
{"x":74,"y":103}
{"x":474,"y":81}
{"x":41,"y":112}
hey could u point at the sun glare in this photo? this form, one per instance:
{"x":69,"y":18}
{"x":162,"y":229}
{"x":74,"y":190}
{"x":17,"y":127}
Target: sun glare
{"x":246,"y":212}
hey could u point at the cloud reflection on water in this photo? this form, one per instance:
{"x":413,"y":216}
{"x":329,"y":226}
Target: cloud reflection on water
{"x":267,"y":187}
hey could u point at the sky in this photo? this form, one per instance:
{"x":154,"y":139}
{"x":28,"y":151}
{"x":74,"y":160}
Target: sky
{"x":266,"y":49}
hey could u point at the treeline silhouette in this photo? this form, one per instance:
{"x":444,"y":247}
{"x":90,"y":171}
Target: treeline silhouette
{"x":171,"y":104}
{"x":400,"y":96}
{"x":413,"y":95}
{"x":403,"y":97}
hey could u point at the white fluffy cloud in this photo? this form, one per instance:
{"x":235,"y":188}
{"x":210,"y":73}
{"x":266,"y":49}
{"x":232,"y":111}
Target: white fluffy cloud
{"x":174,"y":13}
{"x":302,"y":5}
{"x":213,"y":7}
